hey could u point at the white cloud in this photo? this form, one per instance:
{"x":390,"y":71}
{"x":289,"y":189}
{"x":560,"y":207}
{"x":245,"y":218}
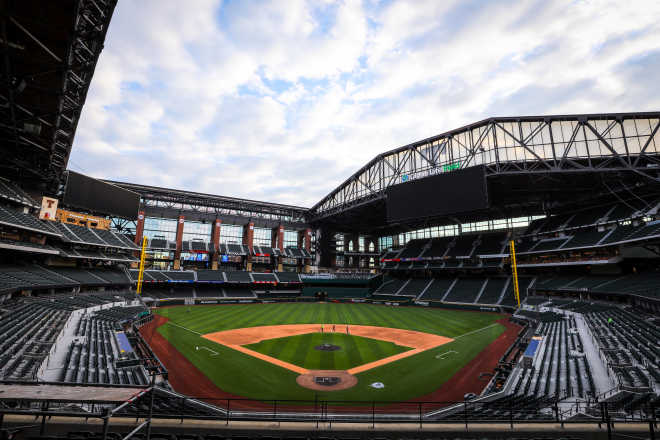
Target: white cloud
{"x":257,"y":100}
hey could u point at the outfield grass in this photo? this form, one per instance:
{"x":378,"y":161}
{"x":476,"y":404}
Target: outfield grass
{"x":354,"y":350}
{"x":407,"y":378}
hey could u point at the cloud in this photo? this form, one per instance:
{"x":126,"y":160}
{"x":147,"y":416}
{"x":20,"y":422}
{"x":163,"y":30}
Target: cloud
{"x":251,"y":99}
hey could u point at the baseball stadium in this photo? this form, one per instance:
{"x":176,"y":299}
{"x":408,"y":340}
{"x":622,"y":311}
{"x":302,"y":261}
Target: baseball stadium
{"x":524,"y":305}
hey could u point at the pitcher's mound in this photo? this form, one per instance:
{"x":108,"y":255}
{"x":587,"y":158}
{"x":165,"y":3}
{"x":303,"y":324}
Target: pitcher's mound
{"x":327,"y":380}
{"x":327,"y":347}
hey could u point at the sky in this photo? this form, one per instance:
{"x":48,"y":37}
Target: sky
{"x":283,"y":100}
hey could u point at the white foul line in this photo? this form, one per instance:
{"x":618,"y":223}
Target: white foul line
{"x":185,"y":328}
{"x":215,"y":353}
{"x":440,"y":356}
{"x":475,"y":331}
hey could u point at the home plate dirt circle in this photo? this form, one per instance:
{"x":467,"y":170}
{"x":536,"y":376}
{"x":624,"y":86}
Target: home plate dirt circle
{"x":327,"y":380}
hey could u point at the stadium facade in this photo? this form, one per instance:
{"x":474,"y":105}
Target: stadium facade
{"x":577,"y":195}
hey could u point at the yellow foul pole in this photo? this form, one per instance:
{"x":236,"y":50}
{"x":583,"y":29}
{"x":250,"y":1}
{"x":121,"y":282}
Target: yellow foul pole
{"x":141,"y":272}
{"x":514,"y":270}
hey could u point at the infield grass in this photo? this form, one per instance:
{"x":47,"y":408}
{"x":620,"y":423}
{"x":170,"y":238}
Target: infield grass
{"x":407,"y":378}
{"x":353,"y":350}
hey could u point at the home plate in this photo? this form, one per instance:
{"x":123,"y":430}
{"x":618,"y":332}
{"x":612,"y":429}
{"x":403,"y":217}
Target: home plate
{"x":446,"y":353}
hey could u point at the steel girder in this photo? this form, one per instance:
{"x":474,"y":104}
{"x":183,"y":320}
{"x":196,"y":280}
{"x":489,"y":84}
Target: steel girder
{"x":187,"y":201}
{"x":511,"y":145}
{"x":91,"y":24}
{"x":50,"y":52}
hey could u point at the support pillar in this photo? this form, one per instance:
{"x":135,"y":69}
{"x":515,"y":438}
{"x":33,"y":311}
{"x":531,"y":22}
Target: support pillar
{"x":179,"y":242}
{"x":248,"y":240}
{"x":307,"y":245}
{"x":277,"y":242}
{"x":215,"y":240}
{"x":326,"y":247}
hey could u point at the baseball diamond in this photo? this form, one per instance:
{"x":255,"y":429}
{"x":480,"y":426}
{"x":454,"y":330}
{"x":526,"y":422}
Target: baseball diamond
{"x":268,"y":350}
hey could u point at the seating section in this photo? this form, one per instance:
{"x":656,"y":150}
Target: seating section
{"x":27,"y":333}
{"x":206,"y":292}
{"x":413,"y":248}
{"x":30,"y":327}
{"x":112,"y":276}
{"x":556,"y":372}
{"x":509,"y":297}
{"x":158,"y":276}
{"x":390,"y":286}
{"x":92,"y":359}
{"x":238,"y":276}
{"x":288,"y":277}
{"x":415,"y":287}
{"x":588,"y":217}
{"x":10,"y":191}
{"x":33,"y":277}
{"x":438,"y":247}
{"x":630,"y":344}
{"x":466,"y":290}
{"x":180,"y":275}
{"x":437,"y":290}
{"x":238,"y":292}
{"x":128,"y":241}
{"x":86,"y":235}
{"x":204,"y":275}
{"x":158,"y":243}
{"x":234,"y":249}
{"x":154,"y":292}
{"x":111,"y":238}
{"x":492,"y":244}
{"x":210,"y":276}
{"x":64,"y":231}
{"x":586,"y":239}
{"x":264,"y":278}
{"x":199,"y":245}
{"x":25,"y":246}
{"x":82,"y":276}
{"x":28,"y":222}
{"x":492,"y":291}
{"x":463,"y":246}
{"x":643,"y":284}
{"x":547,"y":245}
{"x":334,"y":292}
{"x":167,"y":404}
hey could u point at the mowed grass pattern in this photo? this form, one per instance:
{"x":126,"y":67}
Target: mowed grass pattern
{"x":244,"y":375}
{"x":354,"y":350}
{"x":209,"y":319}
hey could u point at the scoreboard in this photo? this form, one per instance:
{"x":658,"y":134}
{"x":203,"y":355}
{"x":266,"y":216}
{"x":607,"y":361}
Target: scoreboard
{"x":449,"y":193}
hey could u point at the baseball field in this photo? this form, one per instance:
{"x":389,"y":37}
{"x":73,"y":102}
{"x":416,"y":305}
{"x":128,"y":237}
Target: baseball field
{"x":292,"y":350}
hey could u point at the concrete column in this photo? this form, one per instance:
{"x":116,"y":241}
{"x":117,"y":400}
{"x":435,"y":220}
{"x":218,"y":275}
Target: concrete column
{"x":277,"y":242}
{"x":248,"y":240}
{"x":215,"y":239}
{"x":326,"y":250}
{"x":308,"y":240}
{"x":179,"y":243}
{"x":307,"y":245}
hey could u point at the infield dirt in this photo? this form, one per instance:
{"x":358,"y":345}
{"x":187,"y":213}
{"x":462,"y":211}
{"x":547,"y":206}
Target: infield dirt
{"x":237,"y":338}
